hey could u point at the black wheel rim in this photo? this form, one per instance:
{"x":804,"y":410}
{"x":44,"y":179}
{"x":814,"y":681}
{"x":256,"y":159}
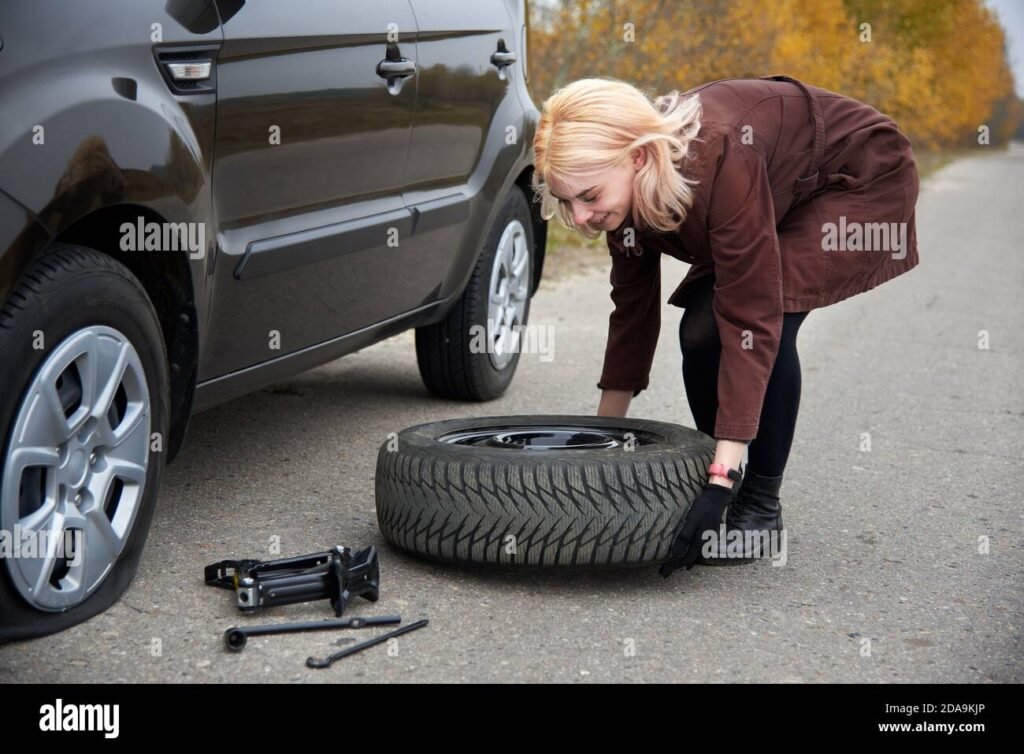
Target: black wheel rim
{"x":559,"y":437}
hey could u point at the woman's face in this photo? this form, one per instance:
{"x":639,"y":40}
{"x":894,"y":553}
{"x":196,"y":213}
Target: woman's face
{"x":601,"y":200}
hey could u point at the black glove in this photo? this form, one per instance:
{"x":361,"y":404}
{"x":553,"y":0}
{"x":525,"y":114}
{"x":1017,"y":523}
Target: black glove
{"x":705,"y":513}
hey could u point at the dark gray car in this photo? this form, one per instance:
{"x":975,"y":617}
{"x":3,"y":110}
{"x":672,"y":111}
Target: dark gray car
{"x":199,"y":198}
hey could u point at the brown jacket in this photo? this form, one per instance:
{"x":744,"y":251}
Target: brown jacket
{"x":795,"y":183}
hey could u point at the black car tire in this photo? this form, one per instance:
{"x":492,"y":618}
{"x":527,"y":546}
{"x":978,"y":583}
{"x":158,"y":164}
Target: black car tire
{"x":449,"y":364}
{"x":455,"y":492}
{"x":70,"y":290}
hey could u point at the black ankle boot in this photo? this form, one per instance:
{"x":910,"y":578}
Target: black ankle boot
{"x":755,"y":508}
{"x":756,"y":505}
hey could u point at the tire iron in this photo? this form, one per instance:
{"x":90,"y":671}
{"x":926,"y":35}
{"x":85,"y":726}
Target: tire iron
{"x":325,"y":662}
{"x":236,"y":636}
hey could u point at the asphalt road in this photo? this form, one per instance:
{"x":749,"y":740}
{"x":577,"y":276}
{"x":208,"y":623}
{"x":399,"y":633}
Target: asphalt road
{"x":887,"y":577}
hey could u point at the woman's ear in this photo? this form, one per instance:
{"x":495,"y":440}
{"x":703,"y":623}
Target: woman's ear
{"x":639,"y":157}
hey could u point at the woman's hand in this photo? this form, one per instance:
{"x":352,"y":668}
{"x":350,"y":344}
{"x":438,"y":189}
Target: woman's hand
{"x":614,"y":402}
{"x":705,"y":513}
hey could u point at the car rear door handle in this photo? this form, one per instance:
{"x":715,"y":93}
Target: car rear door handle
{"x":388,"y":69}
{"x":502,"y":58}
{"x":395,"y":69}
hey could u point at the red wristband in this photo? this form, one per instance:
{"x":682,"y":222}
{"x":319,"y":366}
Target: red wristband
{"x":720,"y":469}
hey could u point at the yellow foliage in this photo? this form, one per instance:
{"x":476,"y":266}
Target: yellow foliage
{"x":938,"y":67}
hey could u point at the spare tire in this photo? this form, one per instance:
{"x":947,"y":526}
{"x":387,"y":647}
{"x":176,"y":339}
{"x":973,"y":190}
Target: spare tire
{"x":539,"y":491}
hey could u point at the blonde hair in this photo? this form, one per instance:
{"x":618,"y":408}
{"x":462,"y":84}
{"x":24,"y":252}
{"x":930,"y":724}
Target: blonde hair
{"x":593,"y":124}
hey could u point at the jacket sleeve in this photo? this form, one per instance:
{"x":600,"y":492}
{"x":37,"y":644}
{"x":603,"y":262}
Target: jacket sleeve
{"x":635,"y":322}
{"x":748,"y":286}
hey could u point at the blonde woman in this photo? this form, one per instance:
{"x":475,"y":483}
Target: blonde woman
{"x":784,"y":198}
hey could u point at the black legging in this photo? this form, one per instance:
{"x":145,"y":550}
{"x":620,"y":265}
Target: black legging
{"x":702,"y":348}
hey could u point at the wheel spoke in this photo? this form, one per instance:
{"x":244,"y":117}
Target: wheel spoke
{"x":46,"y":423}
{"x":133,"y":476}
{"x":505,"y":254}
{"x":127,"y":471}
{"x":110,"y":359}
{"x":24,"y":457}
{"x":87,"y":363}
{"x":507,"y":339}
{"x":40,"y":518}
{"x":513,"y":335}
{"x":505,"y":320}
{"x":500,"y":290}
{"x":499,"y":342}
{"x":522,"y":260}
{"x":101,"y":545}
{"x":38,"y":570}
{"x":132,"y":422}
{"x":520,"y":271}
{"x":498,"y":324}
{"x":20,"y":459}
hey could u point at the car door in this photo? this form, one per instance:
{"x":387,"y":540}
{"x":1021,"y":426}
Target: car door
{"x":311,"y":147}
{"x":461,"y":136}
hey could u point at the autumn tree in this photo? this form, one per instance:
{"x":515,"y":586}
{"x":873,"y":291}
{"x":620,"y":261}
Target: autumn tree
{"x":938,"y":67}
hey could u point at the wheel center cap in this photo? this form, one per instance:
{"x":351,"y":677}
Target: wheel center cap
{"x":76,"y":468}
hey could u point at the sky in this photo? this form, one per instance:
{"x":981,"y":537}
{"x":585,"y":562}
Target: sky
{"x":1011,"y":15}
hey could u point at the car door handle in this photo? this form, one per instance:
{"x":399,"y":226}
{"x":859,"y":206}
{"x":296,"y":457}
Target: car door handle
{"x":502,"y":58}
{"x":388,"y":69}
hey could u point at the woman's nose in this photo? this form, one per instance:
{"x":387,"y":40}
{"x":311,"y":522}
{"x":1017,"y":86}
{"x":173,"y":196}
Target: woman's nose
{"x":580,"y":215}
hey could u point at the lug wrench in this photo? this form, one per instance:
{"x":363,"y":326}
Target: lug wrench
{"x":313,"y":662}
{"x":236,"y":636}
